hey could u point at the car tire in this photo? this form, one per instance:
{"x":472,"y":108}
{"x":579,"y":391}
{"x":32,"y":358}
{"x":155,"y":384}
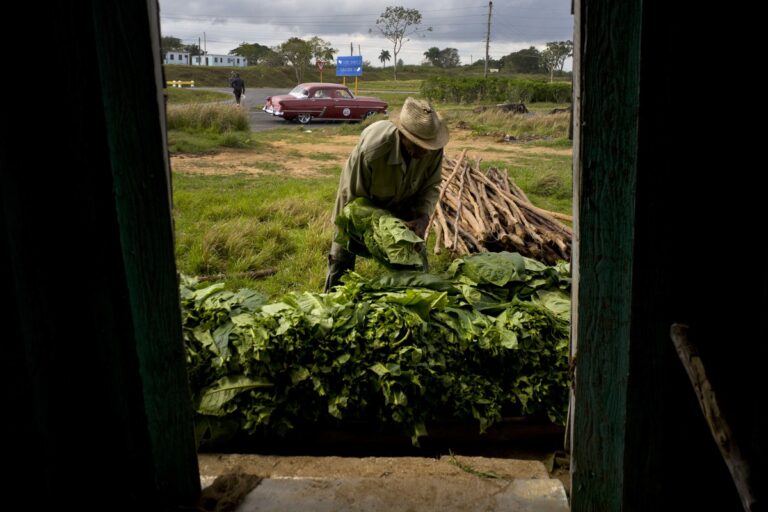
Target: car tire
{"x":368,"y":114}
{"x":304,"y":118}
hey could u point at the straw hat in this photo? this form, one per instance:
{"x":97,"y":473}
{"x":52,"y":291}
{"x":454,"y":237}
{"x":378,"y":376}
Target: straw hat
{"x":422,"y":125}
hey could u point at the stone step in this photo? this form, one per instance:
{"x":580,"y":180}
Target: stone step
{"x":424,"y":494}
{"x":385,"y":484}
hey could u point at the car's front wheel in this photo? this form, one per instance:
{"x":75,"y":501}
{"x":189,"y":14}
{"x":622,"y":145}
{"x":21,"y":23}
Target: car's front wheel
{"x":368,"y":114}
{"x":304,"y":118}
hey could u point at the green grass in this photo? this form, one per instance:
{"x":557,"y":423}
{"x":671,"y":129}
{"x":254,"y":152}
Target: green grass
{"x":182,"y":96}
{"x":494,"y":121}
{"x":374,"y":77}
{"x":388,"y":85}
{"x":218,"y":118}
{"x":205,"y":127}
{"x":546,"y":178}
{"x":232,"y":224}
{"x":201,"y":142}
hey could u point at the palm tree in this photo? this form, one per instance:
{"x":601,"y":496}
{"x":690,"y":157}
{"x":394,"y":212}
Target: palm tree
{"x":384,"y":56}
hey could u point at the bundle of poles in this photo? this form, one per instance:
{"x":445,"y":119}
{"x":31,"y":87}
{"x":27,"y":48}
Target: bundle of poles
{"x":487,"y":212}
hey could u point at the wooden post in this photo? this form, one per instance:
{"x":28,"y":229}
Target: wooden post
{"x":604,"y":181}
{"x":713,"y":413}
{"x":129,"y":33}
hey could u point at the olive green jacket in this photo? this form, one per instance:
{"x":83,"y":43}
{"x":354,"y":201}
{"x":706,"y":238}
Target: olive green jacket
{"x":377,"y":170}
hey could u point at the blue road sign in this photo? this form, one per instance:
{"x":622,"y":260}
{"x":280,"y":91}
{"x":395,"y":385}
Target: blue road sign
{"x":349,"y":65}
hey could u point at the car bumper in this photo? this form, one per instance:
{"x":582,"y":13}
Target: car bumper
{"x":270,"y":110}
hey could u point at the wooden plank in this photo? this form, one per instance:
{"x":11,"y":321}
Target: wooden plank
{"x":76,"y":394}
{"x":127,"y":34}
{"x":713,"y":413}
{"x":606,"y":134}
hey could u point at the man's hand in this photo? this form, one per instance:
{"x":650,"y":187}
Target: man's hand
{"x":418,"y":225}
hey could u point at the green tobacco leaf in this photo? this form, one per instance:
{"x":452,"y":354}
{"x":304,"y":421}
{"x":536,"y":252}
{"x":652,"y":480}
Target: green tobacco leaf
{"x":369,"y":231}
{"x":299,"y":374}
{"x":497,"y":268}
{"x":225,"y":389}
{"x":379,"y":369}
{"x":341,"y":359}
{"x":275,"y":308}
{"x":411,"y":279}
{"x":398,"y":350}
{"x":558,"y":302}
{"x":204,"y":293}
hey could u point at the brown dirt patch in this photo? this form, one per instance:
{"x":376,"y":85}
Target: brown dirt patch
{"x":312,"y":159}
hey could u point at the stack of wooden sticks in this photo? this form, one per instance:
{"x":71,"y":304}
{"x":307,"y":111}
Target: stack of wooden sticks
{"x":488,"y":212}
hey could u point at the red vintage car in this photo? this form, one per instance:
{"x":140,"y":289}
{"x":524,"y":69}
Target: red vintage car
{"x":323,"y":101}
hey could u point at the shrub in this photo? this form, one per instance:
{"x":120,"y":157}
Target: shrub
{"x":494,"y":89}
{"x":217,"y":118}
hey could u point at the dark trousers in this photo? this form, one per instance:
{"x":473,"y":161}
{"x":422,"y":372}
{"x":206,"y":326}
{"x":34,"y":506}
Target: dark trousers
{"x":238,"y":93}
{"x":340,"y":261}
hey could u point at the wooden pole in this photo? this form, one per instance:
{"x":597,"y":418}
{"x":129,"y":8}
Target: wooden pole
{"x":710,"y":406}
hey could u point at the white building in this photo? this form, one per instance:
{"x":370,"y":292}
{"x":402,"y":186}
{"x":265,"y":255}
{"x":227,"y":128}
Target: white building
{"x":232,"y":61}
{"x":176,"y":58}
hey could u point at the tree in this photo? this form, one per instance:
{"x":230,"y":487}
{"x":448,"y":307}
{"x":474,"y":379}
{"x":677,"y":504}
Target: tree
{"x":193,"y":49}
{"x":433,"y":56}
{"x":448,"y":58}
{"x":321,"y":49}
{"x":524,"y":61}
{"x":171,"y":44}
{"x":174,"y":44}
{"x":254,"y":52}
{"x":298,"y":54}
{"x":445,"y":58}
{"x":396,"y":24}
{"x":492,"y":63}
{"x":554,"y":55}
{"x":384,"y":56}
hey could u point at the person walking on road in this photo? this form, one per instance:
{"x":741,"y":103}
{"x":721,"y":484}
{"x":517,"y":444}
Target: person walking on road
{"x":238,"y":87}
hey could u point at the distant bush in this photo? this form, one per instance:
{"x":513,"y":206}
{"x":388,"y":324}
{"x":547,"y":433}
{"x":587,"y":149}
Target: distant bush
{"x":207,"y":117}
{"x":499,"y":90}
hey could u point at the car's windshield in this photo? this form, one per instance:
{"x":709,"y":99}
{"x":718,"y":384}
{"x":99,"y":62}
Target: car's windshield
{"x":299,"y":92}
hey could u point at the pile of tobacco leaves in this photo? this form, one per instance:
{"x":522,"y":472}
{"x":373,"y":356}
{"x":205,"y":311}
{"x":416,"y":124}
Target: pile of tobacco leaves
{"x":486,"y":339}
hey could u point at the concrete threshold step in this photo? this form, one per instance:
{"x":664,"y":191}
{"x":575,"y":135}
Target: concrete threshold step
{"x":422,"y":494}
{"x":388,"y":484}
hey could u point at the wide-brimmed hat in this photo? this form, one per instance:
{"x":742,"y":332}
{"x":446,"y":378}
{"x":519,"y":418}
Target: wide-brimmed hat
{"x":422,"y":124}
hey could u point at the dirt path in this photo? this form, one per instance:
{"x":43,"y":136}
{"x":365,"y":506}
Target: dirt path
{"x":312,"y":159}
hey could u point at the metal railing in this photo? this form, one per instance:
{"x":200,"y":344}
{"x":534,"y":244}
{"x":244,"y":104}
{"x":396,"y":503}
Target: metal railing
{"x":180,"y":83}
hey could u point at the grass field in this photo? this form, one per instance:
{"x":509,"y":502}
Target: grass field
{"x":247,"y":201}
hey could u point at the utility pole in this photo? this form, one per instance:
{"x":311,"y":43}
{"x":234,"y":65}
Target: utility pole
{"x":488,"y":39}
{"x":351,"y":48}
{"x":205,"y":51}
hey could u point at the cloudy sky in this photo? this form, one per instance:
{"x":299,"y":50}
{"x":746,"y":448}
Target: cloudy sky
{"x":222,"y":25}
